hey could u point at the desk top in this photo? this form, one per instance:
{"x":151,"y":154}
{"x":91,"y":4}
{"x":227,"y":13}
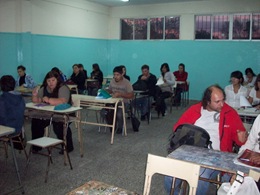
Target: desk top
{"x":248,"y":112}
{"x":91,"y":80}
{"x":99,"y":188}
{"x":213,"y":159}
{"x":4,"y":130}
{"x":49,"y":108}
{"x":76,"y":98}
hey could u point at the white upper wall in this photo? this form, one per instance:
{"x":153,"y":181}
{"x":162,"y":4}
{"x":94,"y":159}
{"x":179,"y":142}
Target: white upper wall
{"x":186,"y":10}
{"x":77,"y":18}
{"x":80,"y":18}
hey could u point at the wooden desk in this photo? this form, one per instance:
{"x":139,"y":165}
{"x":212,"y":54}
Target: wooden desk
{"x":99,"y":188}
{"x":5,"y":131}
{"x":48,"y":113}
{"x":248,"y":113}
{"x":211,"y":159}
{"x":91,"y":101}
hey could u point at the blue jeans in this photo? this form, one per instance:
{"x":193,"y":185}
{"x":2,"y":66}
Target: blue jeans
{"x":141,"y":104}
{"x":203,"y":186}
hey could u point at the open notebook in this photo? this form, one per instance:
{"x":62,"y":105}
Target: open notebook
{"x":244,"y":159}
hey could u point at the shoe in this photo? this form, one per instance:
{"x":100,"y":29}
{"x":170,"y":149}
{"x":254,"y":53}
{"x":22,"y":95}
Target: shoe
{"x":68,"y":150}
{"x":119,"y":131}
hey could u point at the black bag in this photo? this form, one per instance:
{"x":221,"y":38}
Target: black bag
{"x":20,"y":141}
{"x":135,"y":123}
{"x":189,"y":135}
{"x":140,"y":85}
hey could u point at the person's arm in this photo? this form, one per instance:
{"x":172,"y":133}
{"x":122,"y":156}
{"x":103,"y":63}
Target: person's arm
{"x":37,"y":95}
{"x":129,"y":95}
{"x":29,"y":82}
{"x":169,"y":78}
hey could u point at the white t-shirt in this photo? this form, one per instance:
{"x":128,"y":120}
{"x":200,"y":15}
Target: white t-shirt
{"x":252,"y":94}
{"x":252,"y":83}
{"x":210,"y":122}
{"x":232,"y":98}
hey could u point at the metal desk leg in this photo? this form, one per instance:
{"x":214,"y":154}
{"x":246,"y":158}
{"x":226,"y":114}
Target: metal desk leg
{"x":16,"y":166}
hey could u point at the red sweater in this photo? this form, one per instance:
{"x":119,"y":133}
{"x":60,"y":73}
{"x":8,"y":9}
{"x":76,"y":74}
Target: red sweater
{"x":229,"y":123}
{"x":180,"y":77}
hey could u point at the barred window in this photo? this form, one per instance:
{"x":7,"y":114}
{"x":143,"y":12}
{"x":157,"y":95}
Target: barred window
{"x":220,"y":27}
{"x":159,"y":28}
{"x":156,"y":28}
{"x":172,"y":27}
{"x":203,"y":27}
{"x":241,"y":26}
{"x":256,"y":26}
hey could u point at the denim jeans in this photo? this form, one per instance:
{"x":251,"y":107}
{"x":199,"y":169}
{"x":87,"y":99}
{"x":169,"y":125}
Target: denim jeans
{"x":203,"y":186}
{"x":141,"y":104}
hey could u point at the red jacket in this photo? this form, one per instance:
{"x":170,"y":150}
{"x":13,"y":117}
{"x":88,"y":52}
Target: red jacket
{"x":229,"y":123}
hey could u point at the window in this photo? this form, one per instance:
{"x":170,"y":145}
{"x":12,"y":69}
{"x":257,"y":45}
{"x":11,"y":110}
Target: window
{"x":127,"y":29}
{"x":241,"y":26}
{"x":203,"y":27}
{"x":172,"y":27}
{"x":256,"y":26}
{"x":159,"y":28}
{"x":220,"y":27}
{"x":140,"y":29}
{"x":156,"y":28}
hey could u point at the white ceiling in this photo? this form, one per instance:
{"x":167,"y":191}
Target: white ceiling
{"x":116,"y":3}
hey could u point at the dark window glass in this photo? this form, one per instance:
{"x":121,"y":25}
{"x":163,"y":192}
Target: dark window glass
{"x":220,"y":27}
{"x":202,"y":27}
{"x":140,"y":29}
{"x":256,"y":26}
{"x":156,"y":28}
{"x":172,"y":27}
{"x":127,"y":29}
{"x":241,"y":26}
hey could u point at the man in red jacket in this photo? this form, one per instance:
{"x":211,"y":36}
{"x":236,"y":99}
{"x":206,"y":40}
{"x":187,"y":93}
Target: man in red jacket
{"x":221,"y":122}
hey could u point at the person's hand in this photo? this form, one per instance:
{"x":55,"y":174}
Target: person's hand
{"x":255,"y":158}
{"x":242,"y":135}
{"x":164,"y":80}
{"x":116,"y":95}
{"x":46,"y":99}
{"x":143,"y":77}
{"x":35,"y":91}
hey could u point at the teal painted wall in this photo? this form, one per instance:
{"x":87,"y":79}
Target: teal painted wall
{"x":207,"y":62}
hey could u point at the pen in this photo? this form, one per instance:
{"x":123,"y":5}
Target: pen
{"x":244,"y":159}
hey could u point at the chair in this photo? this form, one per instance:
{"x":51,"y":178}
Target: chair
{"x":19,"y":142}
{"x":48,"y":143}
{"x":185,"y":95}
{"x":171,"y":167}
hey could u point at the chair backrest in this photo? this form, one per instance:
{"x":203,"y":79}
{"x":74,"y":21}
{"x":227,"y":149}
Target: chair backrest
{"x":171,"y":167}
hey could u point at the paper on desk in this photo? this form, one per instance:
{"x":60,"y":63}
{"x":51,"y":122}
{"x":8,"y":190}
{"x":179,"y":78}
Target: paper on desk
{"x":244,"y":102}
{"x":160,"y":81}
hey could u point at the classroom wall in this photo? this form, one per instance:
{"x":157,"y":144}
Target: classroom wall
{"x":41,"y":34}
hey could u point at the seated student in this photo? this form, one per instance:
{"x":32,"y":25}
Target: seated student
{"x":221,"y":122}
{"x":12,"y":105}
{"x":180,"y":75}
{"x":164,"y":90}
{"x":235,"y":90}
{"x":78,"y":78}
{"x":249,"y":78}
{"x":81,"y":68}
{"x":54,"y":92}
{"x":120,"y":87}
{"x":124,"y":72}
{"x":254,"y":95}
{"x":24,"y":80}
{"x":62,"y":76}
{"x":94,"y":86}
{"x":150,"y":80}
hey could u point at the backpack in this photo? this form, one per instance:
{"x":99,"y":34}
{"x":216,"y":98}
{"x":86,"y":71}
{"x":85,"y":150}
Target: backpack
{"x":140,"y":85}
{"x":190,"y":135}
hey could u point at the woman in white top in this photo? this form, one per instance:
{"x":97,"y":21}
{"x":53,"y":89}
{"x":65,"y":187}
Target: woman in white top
{"x":254,"y":95}
{"x":235,"y":90}
{"x":249,"y":78}
{"x":164,"y":90}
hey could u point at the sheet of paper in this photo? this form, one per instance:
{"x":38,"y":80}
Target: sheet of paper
{"x":160,"y":81}
{"x":244,"y":102}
